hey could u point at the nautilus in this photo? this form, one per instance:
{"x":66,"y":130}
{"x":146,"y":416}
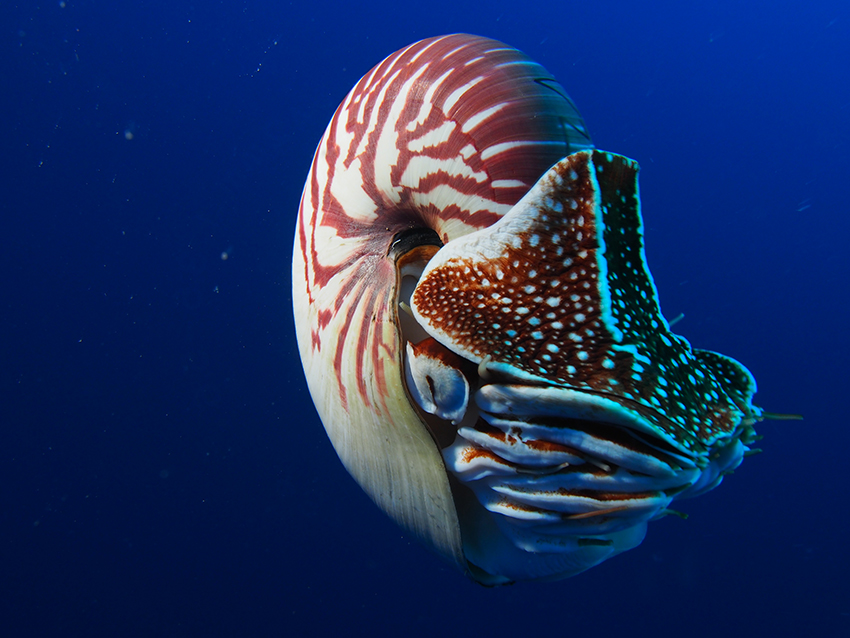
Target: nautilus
{"x":479,"y":330}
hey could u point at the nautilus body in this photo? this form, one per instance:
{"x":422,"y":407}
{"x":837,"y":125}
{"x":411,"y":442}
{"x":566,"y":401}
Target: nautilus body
{"x":479,"y":330}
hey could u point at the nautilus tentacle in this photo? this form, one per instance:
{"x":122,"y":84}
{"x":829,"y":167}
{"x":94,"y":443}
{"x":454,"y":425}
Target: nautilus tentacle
{"x":478,"y":327}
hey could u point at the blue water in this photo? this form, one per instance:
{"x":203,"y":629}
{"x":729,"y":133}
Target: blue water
{"x":162,"y":470}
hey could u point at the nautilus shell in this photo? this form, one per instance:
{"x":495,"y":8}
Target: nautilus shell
{"x":479,"y":330}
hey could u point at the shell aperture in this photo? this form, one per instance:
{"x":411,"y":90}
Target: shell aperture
{"x":484,"y":345}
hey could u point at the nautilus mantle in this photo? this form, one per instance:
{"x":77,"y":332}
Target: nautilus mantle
{"x":479,"y":330}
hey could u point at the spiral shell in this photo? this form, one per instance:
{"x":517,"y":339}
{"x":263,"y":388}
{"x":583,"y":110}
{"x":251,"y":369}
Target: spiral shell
{"x":516,"y":451}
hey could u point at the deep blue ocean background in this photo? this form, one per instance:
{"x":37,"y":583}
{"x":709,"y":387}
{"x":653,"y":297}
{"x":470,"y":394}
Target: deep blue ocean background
{"x":162,"y":469}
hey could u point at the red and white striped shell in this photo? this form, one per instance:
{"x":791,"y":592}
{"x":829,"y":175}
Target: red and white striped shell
{"x":496,"y":379}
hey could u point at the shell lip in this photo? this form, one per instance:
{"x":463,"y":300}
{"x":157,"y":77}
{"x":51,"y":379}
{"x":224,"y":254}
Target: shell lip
{"x":411,"y":238}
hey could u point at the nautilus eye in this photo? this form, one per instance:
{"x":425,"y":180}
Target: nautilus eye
{"x":479,"y":330}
